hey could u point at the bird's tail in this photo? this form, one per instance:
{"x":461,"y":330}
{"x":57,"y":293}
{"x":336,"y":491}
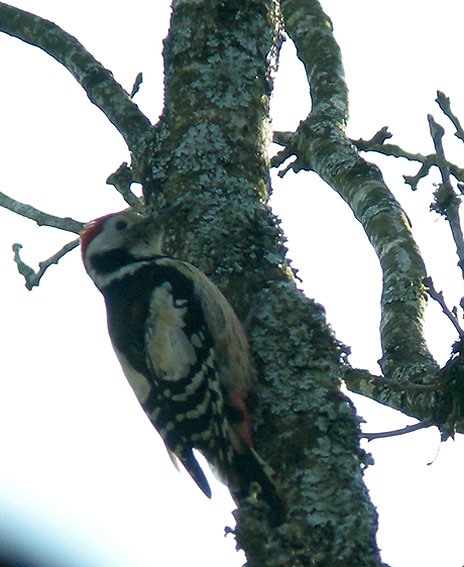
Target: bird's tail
{"x":247,"y":475}
{"x":193,"y":468}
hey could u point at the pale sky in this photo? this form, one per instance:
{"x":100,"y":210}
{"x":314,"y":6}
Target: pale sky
{"x":82,"y":468}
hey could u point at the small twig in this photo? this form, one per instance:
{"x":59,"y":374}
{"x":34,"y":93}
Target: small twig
{"x":287,"y":140}
{"x":138,"y":81}
{"x":41,"y":218}
{"x":377,"y":139}
{"x":437,"y":132}
{"x":283,"y":138}
{"x":447,"y":202}
{"x":122,"y":180}
{"x":396,"y":432}
{"x":438,"y":296}
{"x":445,"y":105}
{"x":376,"y":144}
{"x":362,"y":381}
{"x":413,"y":180}
{"x":33,"y":278}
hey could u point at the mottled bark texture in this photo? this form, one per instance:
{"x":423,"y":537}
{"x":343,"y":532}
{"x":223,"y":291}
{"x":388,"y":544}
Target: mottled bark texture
{"x":211,"y":145}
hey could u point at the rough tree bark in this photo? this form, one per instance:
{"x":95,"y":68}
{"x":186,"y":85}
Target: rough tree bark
{"x":209,"y":149}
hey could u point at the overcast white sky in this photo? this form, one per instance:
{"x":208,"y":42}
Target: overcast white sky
{"x":81,"y":466}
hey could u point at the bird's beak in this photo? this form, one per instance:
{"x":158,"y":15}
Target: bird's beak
{"x":156,"y":220}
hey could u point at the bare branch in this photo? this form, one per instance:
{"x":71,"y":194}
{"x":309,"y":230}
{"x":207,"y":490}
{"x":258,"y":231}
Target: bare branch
{"x":33,"y":278}
{"x":447,"y":202}
{"x":41,"y":218}
{"x":136,"y":86}
{"x":445,"y":105}
{"x":396,"y":432}
{"x":378,"y":139}
{"x":282,"y":138}
{"x":362,"y":382}
{"x":122,"y":180}
{"x":438,"y":296}
{"x":375,"y":144}
{"x":98,"y":82}
{"x":320,"y":144}
{"x":423,"y":400}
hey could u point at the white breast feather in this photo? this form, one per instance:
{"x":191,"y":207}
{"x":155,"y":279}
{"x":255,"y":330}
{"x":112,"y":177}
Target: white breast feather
{"x":169,"y":349}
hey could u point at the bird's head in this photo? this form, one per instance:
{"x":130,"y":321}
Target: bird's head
{"x":120,"y":238}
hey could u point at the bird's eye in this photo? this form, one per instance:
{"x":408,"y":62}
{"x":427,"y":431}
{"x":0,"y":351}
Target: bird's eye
{"x":121,"y":225}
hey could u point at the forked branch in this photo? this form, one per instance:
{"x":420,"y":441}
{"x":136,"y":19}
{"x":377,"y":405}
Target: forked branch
{"x":33,"y":278}
{"x":42,"y":219}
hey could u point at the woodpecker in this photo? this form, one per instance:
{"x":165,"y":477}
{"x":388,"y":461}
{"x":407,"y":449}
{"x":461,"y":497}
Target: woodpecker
{"x":182,"y":349}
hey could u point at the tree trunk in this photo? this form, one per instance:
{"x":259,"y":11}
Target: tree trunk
{"x":210,"y":146}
